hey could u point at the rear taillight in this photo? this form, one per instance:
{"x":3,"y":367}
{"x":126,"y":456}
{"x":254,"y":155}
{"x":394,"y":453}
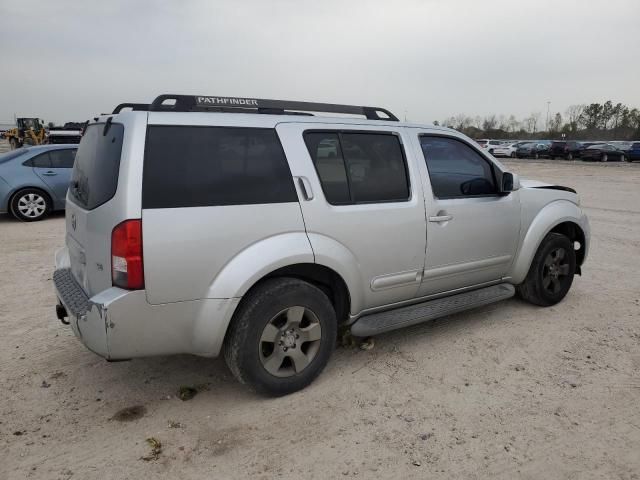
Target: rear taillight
{"x":127,"y":270}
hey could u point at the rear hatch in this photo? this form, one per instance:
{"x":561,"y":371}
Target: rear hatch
{"x":89,"y":219}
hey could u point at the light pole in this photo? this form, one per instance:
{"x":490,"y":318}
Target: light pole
{"x":548,"y":105}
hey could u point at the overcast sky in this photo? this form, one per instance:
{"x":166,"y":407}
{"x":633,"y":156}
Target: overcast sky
{"x":69,"y":60}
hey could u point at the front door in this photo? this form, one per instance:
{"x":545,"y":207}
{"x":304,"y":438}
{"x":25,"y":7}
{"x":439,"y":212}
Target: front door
{"x":472,"y":229}
{"x":362,"y":205}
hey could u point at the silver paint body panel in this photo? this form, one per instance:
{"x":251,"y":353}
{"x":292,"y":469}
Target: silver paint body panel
{"x":199,"y":262}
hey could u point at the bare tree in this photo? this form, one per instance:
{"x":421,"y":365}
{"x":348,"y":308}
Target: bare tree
{"x":512,"y":124}
{"x":573,"y":113}
{"x":555,"y":123}
{"x":489,"y":123}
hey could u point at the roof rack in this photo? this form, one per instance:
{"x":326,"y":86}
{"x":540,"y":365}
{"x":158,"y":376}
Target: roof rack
{"x":132,"y":106}
{"x":199,"y":103}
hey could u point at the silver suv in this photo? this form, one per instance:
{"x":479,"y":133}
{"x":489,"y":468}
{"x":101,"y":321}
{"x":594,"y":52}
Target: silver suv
{"x":251,"y":227}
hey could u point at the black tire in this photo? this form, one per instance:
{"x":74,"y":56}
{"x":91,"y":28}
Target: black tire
{"x":513,"y":154}
{"x":537,"y":288}
{"x":536,"y":156}
{"x":13,"y":143}
{"x":244,"y":345}
{"x":569,"y":156}
{"x":604,"y":157}
{"x":623,"y":158}
{"x":40,"y":199}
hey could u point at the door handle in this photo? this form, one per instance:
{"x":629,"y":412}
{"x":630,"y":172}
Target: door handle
{"x":49,"y":173}
{"x":305,"y":186}
{"x":440,"y":218}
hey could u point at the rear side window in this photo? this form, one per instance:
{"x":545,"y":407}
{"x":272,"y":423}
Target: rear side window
{"x":359,"y":167}
{"x":95,"y":173}
{"x":455,"y":169}
{"x":210,"y":166}
{"x":62,"y":158}
{"x":39,"y":161}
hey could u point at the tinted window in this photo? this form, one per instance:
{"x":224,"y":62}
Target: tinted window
{"x":359,"y":167}
{"x":39,"y":161}
{"x":95,"y":173}
{"x":325,"y":151}
{"x":456,"y":169}
{"x":206,"y":166}
{"x":62,"y":158}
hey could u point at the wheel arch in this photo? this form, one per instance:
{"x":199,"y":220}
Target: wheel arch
{"x":559,"y":217}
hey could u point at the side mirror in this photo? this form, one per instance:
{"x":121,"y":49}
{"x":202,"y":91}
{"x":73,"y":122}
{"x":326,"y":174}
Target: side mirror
{"x":510,"y":182}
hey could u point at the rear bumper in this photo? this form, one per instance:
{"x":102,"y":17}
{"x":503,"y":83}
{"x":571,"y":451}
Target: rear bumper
{"x":120,"y":324}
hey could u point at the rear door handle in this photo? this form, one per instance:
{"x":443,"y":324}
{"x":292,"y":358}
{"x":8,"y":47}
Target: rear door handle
{"x":49,"y":173}
{"x":305,"y":186}
{"x":440,"y":218}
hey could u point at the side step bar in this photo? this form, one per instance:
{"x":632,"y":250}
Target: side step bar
{"x":381,"y":322}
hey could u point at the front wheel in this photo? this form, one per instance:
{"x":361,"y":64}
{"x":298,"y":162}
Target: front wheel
{"x":551,"y":273}
{"x":281,"y":337}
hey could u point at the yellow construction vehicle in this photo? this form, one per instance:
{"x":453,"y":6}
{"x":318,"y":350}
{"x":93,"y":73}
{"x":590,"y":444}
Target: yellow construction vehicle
{"x":29,"y":131}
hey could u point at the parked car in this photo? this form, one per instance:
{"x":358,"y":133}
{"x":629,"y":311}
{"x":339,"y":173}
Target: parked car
{"x":525,"y":150}
{"x":565,"y":149}
{"x":507,"y":149}
{"x":541,"y":150}
{"x":603,"y":152}
{"x":260,"y":235}
{"x":633,"y":153}
{"x":34,"y":180}
{"x":490,"y":145}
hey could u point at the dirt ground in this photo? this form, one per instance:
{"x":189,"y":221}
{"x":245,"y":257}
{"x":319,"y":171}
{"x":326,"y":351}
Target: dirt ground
{"x":505,"y":391}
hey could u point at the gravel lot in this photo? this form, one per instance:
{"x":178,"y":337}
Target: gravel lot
{"x":509,"y":390}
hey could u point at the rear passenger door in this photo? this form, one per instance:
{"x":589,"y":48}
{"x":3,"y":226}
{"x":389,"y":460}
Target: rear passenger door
{"x":54,"y":169}
{"x":472,"y":229}
{"x":362,"y":205}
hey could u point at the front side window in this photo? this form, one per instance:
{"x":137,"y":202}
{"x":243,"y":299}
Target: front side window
{"x":359,"y":167}
{"x":455,"y":169}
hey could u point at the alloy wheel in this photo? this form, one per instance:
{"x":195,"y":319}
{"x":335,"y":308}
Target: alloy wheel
{"x":555,"y":272}
{"x":290,"y":341}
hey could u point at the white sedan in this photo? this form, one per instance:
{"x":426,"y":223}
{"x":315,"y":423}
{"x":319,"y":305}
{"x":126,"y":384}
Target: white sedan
{"x":505,"y":150}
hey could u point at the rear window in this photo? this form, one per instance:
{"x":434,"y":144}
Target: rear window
{"x":95,"y":173}
{"x":210,"y":166}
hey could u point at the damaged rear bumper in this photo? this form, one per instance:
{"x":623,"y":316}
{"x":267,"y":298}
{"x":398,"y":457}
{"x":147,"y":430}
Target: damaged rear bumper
{"x":120,"y":324}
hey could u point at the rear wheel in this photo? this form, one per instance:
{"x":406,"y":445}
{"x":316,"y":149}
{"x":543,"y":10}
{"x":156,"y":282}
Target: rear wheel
{"x":513,"y":154}
{"x":281,"y":337}
{"x":30,"y":205}
{"x":604,"y":157}
{"x":551,"y":273}
{"x":623,"y":158}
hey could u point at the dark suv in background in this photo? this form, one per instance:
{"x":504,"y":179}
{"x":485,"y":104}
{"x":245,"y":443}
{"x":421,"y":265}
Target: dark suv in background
{"x":563,"y":149}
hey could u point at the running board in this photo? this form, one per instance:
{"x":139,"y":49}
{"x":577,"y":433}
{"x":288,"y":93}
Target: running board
{"x":386,"y":321}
